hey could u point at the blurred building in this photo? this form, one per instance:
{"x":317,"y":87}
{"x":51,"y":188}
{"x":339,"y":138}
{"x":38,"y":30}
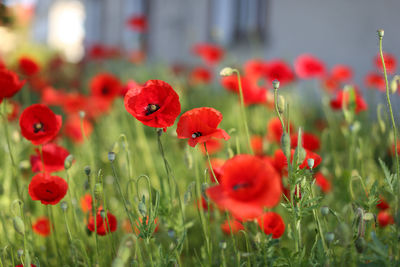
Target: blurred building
{"x":340,"y":31}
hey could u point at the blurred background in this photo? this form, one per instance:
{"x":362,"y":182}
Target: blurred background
{"x":339,"y":31}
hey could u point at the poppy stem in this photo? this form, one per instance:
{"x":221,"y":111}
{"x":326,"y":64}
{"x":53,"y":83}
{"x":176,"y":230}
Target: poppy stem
{"x":53,"y":232}
{"x":14,"y":166}
{"x":209,"y":163}
{"x":70,"y":201}
{"x":380,"y":35}
{"x":243,"y":112}
{"x":70,"y":238}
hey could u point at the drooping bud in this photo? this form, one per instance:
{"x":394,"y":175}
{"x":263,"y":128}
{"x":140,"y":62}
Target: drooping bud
{"x":394,"y":84}
{"x":19,"y":225}
{"x":68,"y":161}
{"x":227,"y":71}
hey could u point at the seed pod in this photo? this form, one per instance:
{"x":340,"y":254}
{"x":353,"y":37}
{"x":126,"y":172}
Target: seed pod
{"x":324,"y":211}
{"x":19,"y":225}
{"x":227,"y":71}
{"x":275,"y":84}
{"x":360,"y":244}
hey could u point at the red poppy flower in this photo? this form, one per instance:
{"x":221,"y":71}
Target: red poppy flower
{"x":52,"y":97}
{"x":281,"y":161}
{"x":257,"y":143}
{"x":331,"y":84}
{"x":342,"y":97}
{"x":309,"y":155}
{"x":28,"y":66}
{"x":39,"y":124}
{"x":308,"y":66}
{"x":106,"y":86}
{"x":74,"y":102}
{"x":322,"y":182}
{"x":103,"y":225}
{"x":375,"y":80}
{"x":100,"y":51}
{"x":200,"y":125}
{"x":217,"y":168}
{"x":247,"y":185}
{"x":382,"y":204}
{"x":274,"y":130}
{"x":137,"y":23}
{"x":390,"y":62}
{"x":21,"y":265}
{"x":278,"y":70}
{"x":384,"y":219}
{"x":213,"y":146}
{"x":342,"y":73}
{"x":272,"y":224}
{"x":233,"y":225}
{"x":41,"y":226}
{"x":73,"y":129}
{"x":252,"y":94}
{"x":48,"y":189}
{"x":254,"y":69}
{"x":204,"y":204}
{"x":154,"y":104}
{"x":53,"y":158}
{"x":86,"y":202}
{"x":10,"y":83}
{"x":309,"y":141}
{"x":200,"y":75}
{"x":210,"y":53}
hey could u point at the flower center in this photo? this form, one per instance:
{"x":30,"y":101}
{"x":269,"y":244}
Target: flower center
{"x":105,"y":90}
{"x":151,"y":108}
{"x":196,"y":134}
{"x":37,"y":127}
{"x":239,"y":186}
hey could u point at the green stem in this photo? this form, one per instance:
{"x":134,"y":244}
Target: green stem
{"x":209,"y":163}
{"x":243,"y":112}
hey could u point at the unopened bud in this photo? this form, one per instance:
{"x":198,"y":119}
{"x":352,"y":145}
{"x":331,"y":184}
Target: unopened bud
{"x":285,"y":143}
{"x":329,"y":237}
{"x":19,"y":225}
{"x":381,"y":32}
{"x":111,"y":156}
{"x":20,"y":252}
{"x":310,"y":163}
{"x":68,"y":161}
{"x":87,"y":170}
{"x":360,"y":244}
{"x":275,"y":84}
{"x":324,"y":211}
{"x":98,"y":191}
{"x":394,"y":84}
{"x":227,"y":71}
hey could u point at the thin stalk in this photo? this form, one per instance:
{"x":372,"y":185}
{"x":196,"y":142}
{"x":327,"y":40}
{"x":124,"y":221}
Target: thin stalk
{"x":70,"y":239}
{"x":70,"y":202}
{"x":209,"y":163}
{"x":243,"y":112}
{"x":54,"y":233}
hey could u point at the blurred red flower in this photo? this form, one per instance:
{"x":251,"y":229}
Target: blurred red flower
{"x":384,"y":219}
{"x":200,"y":125}
{"x":105,"y":85}
{"x":137,"y":23}
{"x":252,"y":94}
{"x":278,"y":70}
{"x":343,"y":97}
{"x":254,"y":69}
{"x":390,"y":62}
{"x":210,"y":53}
{"x":271,"y":223}
{"x":274,"y":130}
{"x":73,"y":129}
{"x":231,"y":225}
{"x":322,"y":182}
{"x":48,"y":189}
{"x":53,"y":158}
{"x":154,"y":104}
{"x":21,"y":265}
{"x":280,"y":161}
{"x":213,"y":146}
{"x":247,"y":185}
{"x":103,"y":225}
{"x":375,"y":80}
{"x":382,"y":204}
{"x":13,"y":110}
{"x":74,"y":102}
{"x":200,"y":75}
{"x":52,"y":97}
{"x":308,"y":66}
{"x":39,"y":124}
{"x":257,"y":143}
{"x":216,"y":165}
{"x":86,"y":202}
{"x":28,"y":66}
{"x":342,"y":73}
{"x":41,"y":226}
{"x":309,"y":141}
{"x":9,"y":83}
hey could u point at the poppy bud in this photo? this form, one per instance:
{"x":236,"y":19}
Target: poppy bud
{"x":19,"y":225}
{"x":285,"y":144}
{"x":68,"y":162}
{"x":98,"y":191}
{"x":64,"y":206}
{"x":222,"y":245}
{"x":281,"y":104}
{"x":227,"y":71}
{"x":329,"y":237}
{"x":324,"y":211}
{"x":360,"y":244}
{"x":87,"y":170}
{"x":275,"y":84}
{"x":381,"y":32}
{"x":111,"y":156}
{"x":394,"y":84}
{"x":310,"y":163}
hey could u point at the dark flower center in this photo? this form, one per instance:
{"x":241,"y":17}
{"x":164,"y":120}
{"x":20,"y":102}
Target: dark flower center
{"x":196,"y":134}
{"x":48,"y":191}
{"x":239,"y":186}
{"x":151,"y":108}
{"x":105,"y":90}
{"x":37,"y":127}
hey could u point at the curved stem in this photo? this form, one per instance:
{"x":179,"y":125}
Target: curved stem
{"x":209,"y":163}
